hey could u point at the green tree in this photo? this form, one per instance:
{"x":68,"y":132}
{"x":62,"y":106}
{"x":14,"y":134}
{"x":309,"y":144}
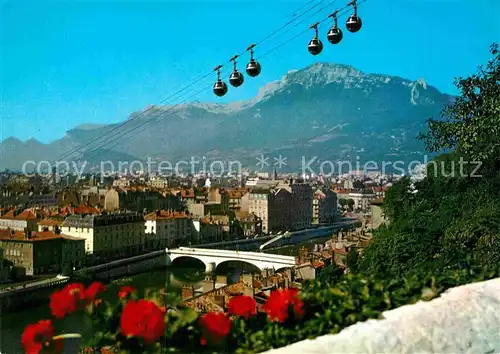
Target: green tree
{"x":352,"y":260}
{"x":472,"y":121}
{"x":330,"y":274}
{"x":350,"y":204}
{"x":358,"y":185}
{"x":450,"y":218}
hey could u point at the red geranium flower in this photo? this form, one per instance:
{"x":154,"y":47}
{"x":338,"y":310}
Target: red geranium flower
{"x":243,"y":306}
{"x":93,"y":290}
{"x":124,"y":291}
{"x":215,"y":327}
{"x":67,"y":300}
{"x":142,"y":319}
{"x":278,"y":305}
{"x":38,"y":336}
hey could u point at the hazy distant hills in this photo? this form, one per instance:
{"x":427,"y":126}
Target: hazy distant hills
{"x":325,"y":110}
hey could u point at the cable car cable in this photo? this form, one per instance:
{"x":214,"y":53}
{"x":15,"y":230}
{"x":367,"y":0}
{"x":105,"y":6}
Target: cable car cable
{"x":300,"y":8}
{"x":128,"y":121}
{"x":341,"y":12}
{"x":219,"y":84}
{"x":303,"y":21}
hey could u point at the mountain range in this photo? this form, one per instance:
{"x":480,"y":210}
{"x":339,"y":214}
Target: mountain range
{"x":331,"y":111}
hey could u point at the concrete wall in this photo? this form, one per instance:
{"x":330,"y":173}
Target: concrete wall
{"x":465,"y":319}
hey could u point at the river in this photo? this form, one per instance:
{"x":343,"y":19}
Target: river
{"x":13,"y":324}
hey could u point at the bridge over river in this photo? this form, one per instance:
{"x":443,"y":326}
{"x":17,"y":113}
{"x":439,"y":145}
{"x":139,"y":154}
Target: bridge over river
{"x":212,"y":258}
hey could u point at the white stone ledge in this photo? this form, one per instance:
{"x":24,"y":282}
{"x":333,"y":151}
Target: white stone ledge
{"x":465,"y":319}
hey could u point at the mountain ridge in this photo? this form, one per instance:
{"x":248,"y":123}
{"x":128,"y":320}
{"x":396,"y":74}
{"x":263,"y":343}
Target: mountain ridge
{"x":321,"y":107}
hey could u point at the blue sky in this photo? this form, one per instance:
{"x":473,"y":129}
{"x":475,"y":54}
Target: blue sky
{"x":65,"y":63}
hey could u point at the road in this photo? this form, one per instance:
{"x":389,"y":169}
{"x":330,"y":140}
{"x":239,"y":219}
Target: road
{"x":33,"y":284}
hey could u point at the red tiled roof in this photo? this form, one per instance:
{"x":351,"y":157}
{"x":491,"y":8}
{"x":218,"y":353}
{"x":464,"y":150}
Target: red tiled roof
{"x":35,"y":236}
{"x":318,"y":264}
{"x":50,"y":222}
{"x":26,"y":215}
{"x":9,"y":214}
{"x":236,"y":194}
{"x":187,"y":193}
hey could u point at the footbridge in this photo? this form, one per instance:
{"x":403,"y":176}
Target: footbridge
{"x":212,"y":258}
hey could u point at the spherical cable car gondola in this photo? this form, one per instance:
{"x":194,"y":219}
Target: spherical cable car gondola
{"x":220,"y":87}
{"x":315,"y":45}
{"x":253,"y":67}
{"x":236,"y":78}
{"x":335,"y":34}
{"x":354,"y":23}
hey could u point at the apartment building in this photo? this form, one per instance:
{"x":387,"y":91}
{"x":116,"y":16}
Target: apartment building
{"x":239,"y":200}
{"x":302,"y":216}
{"x":110,"y":235}
{"x":362,"y":199}
{"x":219,"y":196}
{"x":43,"y":200}
{"x":50,"y":224}
{"x":301,"y":204}
{"x":168,"y":229}
{"x":324,"y":206}
{"x":273,"y":207}
{"x":19,"y":220}
{"x":249,"y":222}
{"x":138,"y":200}
{"x":207,"y":231}
{"x":41,"y":252}
{"x":158,"y":182}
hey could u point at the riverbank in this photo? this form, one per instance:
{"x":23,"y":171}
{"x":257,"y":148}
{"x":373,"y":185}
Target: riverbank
{"x":293,"y":237}
{"x":38,"y":293}
{"x":13,"y":323}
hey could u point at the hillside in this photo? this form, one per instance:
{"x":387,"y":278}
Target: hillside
{"x":325,"y":110}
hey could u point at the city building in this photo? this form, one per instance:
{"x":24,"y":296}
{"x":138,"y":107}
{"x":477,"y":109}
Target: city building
{"x":43,"y":200}
{"x":19,"y":221}
{"x":260,"y":183}
{"x":302,"y":214}
{"x":50,"y":224}
{"x":362,"y":200}
{"x":249,"y":222}
{"x":168,"y":229}
{"x":158,"y":182}
{"x":93,"y":196}
{"x":272,"y":207}
{"x":207,"y":230}
{"x":41,"y":252}
{"x":139,"y":200}
{"x":239,"y":200}
{"x":301,"y":204}
{"x":108,"y":236}
{"x":324,"y":206}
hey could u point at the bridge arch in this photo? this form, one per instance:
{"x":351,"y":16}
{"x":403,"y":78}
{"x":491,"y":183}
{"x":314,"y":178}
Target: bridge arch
{"x":189,"y":261}
{"x":281,"y":269}
{"x":247,"y":266}
{"x":212,"y":258}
